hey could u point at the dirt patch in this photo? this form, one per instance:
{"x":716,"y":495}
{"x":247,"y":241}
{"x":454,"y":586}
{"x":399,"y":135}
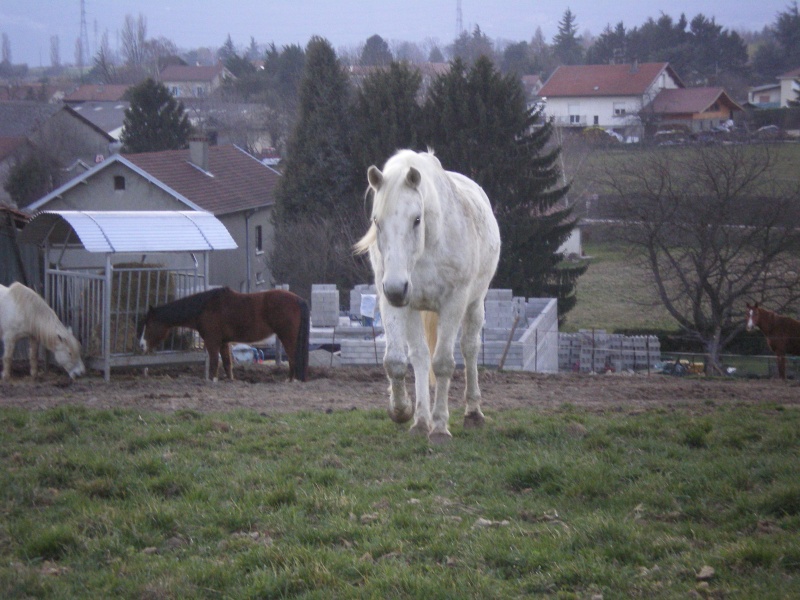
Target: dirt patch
{"x":264,"y":388}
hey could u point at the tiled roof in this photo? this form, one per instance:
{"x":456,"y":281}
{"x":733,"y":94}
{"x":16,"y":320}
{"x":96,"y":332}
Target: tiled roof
{"x":25,"y":118}
{"x":235,"y":180}
{"x":97,"y":93}
{"x":190,"y":73}
{"x":9,"y":144}
{"x":604,"y":80}
{"x":21,"y":118}
{"x":108,"y":116}
{"x":793,"y":74}
{"x":689,"y":100}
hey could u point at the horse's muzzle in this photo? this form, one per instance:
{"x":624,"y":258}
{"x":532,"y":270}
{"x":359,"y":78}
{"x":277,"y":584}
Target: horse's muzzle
{"x":396,"y":293}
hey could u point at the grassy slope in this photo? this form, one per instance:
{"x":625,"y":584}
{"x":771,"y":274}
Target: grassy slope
{"x":568,"y":504}
{"x":615,"y":293}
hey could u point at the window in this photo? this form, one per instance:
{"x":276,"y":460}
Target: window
{"x":596,"y":120}
{"x":619,"y":109}
{"x":176,"y":91}
{"x":575,"y":119}
{"x":119,"y":182}
{"x":259,"y":240}
{"x":199,"y":91}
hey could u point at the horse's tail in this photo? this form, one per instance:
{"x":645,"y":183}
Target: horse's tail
{"x":430,"y":322}
{"x":301,"y":345}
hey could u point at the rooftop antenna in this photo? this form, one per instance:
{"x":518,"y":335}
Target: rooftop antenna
{"x":459,"y":20}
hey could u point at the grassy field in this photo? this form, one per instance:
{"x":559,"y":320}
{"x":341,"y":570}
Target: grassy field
{"x":569,"y":504}
{"x":614,"y":294}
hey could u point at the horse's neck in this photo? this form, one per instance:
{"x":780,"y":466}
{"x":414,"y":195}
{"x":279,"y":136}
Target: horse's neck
{"x":768,"y":321}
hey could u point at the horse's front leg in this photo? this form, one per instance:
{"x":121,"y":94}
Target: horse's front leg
{"x":213,"y":347}
{"x":420,"y":358}
{"x":470,"y":345}
{"x":395,"y":361}
{"x":9,"y":343}
{"x":227,"y":361}
{"x":443,"y":366}
{"x":781,"y":365}
{"x":33,"y":356}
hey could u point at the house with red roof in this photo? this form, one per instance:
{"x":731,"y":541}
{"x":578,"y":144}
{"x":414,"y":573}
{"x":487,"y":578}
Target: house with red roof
{"x":693,"y":109}
{"x":778,"y":94}
{"x":223,"y":180}
{"x":186,"y":81}
{"x":625,"y":99}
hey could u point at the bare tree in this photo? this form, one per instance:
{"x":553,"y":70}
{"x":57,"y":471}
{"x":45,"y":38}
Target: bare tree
{"x":5,"y":57}
{"x":717,"y":226}
{"x":134,"y":42}
{"x":55,"y":52}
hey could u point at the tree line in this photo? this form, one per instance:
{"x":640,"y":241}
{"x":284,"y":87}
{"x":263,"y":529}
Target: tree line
{"x":477,"y":122}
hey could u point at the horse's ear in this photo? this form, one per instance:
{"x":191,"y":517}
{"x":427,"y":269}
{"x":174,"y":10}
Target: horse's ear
{"x":413,"y":177}
{"x":375,"y":177}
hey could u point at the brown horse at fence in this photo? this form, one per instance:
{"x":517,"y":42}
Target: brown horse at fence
{"x":782,"y":333}
{"x":222,"y":316}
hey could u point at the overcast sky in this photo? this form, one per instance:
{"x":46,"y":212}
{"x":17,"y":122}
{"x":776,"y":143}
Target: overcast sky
{"x":30,"y":24}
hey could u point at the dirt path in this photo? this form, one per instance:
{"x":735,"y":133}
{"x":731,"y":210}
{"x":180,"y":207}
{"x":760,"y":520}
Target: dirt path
{"x":264,"y":389}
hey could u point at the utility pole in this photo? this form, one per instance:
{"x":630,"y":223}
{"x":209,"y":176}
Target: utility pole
{"x":459,"y":20}
{"x":84,"y":38}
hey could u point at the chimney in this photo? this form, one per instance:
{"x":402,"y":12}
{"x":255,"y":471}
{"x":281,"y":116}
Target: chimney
{"x":635,"y":66}
{"x":198,"y":151}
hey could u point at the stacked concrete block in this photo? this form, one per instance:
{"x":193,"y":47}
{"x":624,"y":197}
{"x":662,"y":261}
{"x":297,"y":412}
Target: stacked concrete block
{"x":499,"y":307}
{"x":324,"y":305}
{"x":598,"y":352}
{"x":363,"y":351}
{"x":355,"y":297}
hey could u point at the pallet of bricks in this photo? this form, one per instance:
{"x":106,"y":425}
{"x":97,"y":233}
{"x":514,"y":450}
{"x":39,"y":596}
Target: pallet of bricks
{"x":502,"y":309}
{"x":324,"y":305}
{"x":595,"y":351}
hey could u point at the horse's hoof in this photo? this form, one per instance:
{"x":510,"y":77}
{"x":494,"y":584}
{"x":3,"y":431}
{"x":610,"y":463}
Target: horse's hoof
{"x":439,"y":438}
{"x":419,"y":429}
{"x":401,"y":415}
{"x":474,"y":420}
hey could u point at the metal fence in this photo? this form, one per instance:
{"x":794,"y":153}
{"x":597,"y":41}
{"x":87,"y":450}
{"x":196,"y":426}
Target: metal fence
{"x":105,"y":307}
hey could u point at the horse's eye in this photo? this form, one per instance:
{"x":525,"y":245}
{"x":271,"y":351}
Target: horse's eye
{"x":417,"y":221}
{"x":375,"y":221}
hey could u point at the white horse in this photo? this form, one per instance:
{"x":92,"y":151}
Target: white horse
{"x":434,"y":245}
{"x":24,"y":313}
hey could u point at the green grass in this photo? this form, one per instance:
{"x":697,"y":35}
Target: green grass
{"x":615,"y":293}
{"x":126,"y":504}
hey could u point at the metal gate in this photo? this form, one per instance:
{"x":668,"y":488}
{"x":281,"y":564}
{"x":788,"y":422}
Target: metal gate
{"x":105,"y":309}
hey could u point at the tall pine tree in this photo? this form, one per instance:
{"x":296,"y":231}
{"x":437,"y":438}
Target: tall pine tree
{"x":317,"y":214}
{"x":317,"y":178}
{"x":478,"y":123}
{"x":155,"y":120}
{"x":387,"y":116}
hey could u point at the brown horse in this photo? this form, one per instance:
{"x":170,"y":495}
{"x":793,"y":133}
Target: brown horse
{"x":782,"y":333}
{"x":222,"y":316}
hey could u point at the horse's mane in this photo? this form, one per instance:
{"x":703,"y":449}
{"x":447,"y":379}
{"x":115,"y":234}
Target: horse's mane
{"x":394,"y":176}
{"x":39,"y":319}
{"x":187,"y":307}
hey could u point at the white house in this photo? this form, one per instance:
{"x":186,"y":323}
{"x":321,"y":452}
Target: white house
{"x":607,"y":96}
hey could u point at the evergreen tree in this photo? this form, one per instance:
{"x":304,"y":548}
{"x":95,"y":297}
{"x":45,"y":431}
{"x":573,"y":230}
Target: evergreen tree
{"x":386,"y":116}
{"x":566,"y":46}
{"x":470,"y":47}
{"x":478,"y":123}
{"x":376,"y":52}
{"x":317,"y":177}
{"x":31,"y":179}
{"x":318,"y":215}
{"x":155,"y":120}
